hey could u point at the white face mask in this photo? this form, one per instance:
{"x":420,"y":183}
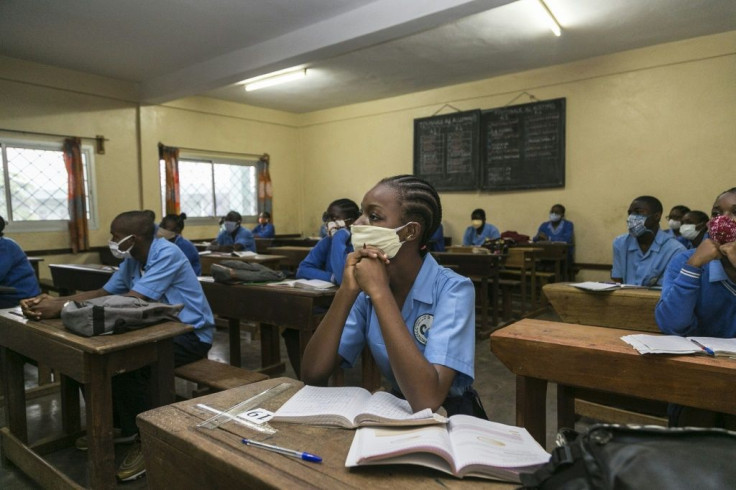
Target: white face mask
{"x":689,"y":231}
{"x":115,"y":248}
{"x":674,"y":225}
{"x":166,"y":234}
{"x":386,"y":239}
{"x":333,"y":226}
{"x":554,"y":217}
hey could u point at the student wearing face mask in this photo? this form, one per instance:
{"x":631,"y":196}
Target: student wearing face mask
{"x":264,"y":228}
{"x":694,"y":228}
{"x":233,"y":237}
{"x":170,"y":229}
{"x":154,"y":270}
{"x":699,"y":297}
{"x":674,"y":222}
{"x":417,"y":318}
{"x":641,"y":256}
{"x":479,"y":231}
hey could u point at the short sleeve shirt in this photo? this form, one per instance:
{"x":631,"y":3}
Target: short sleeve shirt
{"x":243,"y":237}
{"x":643,"y":269}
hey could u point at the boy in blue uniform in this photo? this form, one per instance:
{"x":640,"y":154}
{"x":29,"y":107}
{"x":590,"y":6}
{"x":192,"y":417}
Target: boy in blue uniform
{"x":155,"y":270}
{"x":264,"y":228}
{"x":170,"y":229}
{"x":15,"y":272}
{"x":674,"y":222}
{"x":479,"y":231}
{"x":233,"y":238}
{"x":641,"y":256}
{"x":417,"y":318}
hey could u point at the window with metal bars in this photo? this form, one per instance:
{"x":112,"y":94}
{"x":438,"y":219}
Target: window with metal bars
{"x":33,"y":186}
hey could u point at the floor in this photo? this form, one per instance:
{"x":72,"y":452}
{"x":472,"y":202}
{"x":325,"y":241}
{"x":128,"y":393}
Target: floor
{"x":494,"y":382}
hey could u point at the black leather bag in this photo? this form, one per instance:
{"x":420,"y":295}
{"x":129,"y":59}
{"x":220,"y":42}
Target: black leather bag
{"x":639,"y":457}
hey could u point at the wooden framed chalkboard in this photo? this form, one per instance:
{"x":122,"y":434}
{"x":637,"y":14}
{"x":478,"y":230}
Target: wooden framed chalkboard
{"x":446,"y":150}
{"x":523,"y":146}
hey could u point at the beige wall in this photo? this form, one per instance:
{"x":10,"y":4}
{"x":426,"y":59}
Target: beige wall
{"x":654,"y":121}
{"x":658,"y":120}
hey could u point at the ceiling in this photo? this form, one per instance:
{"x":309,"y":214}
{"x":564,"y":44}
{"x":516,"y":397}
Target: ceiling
{"x":356,"y":50}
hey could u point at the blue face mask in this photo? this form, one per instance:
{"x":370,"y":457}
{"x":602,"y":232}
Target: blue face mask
{"x":230,"y":226}
{"x":636,"y":225}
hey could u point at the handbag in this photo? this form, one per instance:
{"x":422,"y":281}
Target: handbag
{"x":115,"y":314}
{"x":613,"y":456}
{"x":235,"y":271}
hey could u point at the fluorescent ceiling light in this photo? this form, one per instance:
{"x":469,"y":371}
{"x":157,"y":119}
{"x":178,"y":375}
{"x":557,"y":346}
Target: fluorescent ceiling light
{"x":550,"y":19}
{"x":274,"y":79}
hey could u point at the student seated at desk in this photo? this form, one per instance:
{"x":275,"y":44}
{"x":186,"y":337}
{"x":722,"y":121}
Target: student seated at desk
{"x":170,"y":229}
{"x":641,"y":256}
{"x":15,"y":272}
{"x":479,"y":231}
{"x":557,"y":229}
{"x":155,"y":270}
{"x":674,"y":222}
{"x":233,"y":237}
{"x":699,"y":297}
{"x":694,"y":228}
{"x":264,"y":228}
{"x":417,"y":318}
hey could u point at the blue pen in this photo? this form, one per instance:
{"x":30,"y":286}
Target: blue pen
{"x":707,"y":350}
{"x":281,"y":450}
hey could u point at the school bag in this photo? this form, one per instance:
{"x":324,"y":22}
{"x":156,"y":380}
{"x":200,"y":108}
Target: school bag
{"x":610,"y":456}
{"x":115,"y":314}
{"x":235,"y":271}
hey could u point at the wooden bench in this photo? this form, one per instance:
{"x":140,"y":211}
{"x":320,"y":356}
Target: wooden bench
{"x":211,"y":376}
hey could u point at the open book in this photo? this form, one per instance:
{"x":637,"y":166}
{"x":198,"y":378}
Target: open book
{"x":608,"y":286}
{"x":304,"y":284}
{"x":466,"y":446}
{"x":350,"y":407}
{"x":674,"y":344}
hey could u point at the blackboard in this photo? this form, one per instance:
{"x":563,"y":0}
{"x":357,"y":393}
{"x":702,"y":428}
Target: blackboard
{"x":523,"y":146}
{"x":446,"y":150}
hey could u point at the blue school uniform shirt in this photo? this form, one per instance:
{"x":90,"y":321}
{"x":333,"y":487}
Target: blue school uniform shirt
{"x":697,"y":301}
{"x":685,"y":242}
{"x":264,"y":231}
{"x":437,"y":240}
{"x":16,"y":272}
{"x":643,"y":269}
{"x":439,"y":313}
{"x":190,"y":252}
{"x":243,"y":236}
{"x":564,"y":233}
{"x":472,"y":238}
{"x":326,"y":260}
{"x":167,"y":278}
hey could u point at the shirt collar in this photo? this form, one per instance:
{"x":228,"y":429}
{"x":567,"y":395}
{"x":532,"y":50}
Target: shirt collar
{"x":424,"y":283}
{"x":659,"y":239}
{"x":716,"y":272}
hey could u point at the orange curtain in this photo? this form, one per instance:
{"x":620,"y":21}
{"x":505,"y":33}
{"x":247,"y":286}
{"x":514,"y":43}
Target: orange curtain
{"x":78,"y":228}
{"x":265,"y":189}
{"x":170,"y":156}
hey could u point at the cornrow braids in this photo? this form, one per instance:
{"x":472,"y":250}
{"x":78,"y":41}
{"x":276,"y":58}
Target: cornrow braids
{"x":419,"y":202}
{"x":347,"y":207}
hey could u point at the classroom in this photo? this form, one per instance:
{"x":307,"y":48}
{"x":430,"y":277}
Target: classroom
{"x":648,"y":118}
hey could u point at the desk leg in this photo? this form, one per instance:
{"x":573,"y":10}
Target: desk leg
{"x":98,"y":394}
{"x":162,"y":375}
{"x":484,"y":305}
{"x":15,"y":394}
{"x":565,"y":407}
{"x":233,"y":327}
{"x":70,"y":420}
{"x":494,"y":298}
{"x":270,"y":349}
{"x":531,"y":402}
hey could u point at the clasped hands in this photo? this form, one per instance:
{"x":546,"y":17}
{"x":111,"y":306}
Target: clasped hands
{"x":41,"y":306}
{"x":365,"y":269}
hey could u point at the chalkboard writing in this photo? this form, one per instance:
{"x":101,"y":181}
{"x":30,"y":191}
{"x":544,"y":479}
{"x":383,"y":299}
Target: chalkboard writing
{"x":523,"y":146}
{"x":446,"y":151}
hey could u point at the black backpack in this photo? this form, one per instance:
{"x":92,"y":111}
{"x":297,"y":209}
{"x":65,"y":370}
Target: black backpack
{"x":235,"y":271}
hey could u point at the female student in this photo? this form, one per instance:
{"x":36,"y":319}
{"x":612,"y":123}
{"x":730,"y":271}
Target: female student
{"x":479,"y":231}
{"x":694,"y":228}
{"x":417,"y":318}
{"x":16,"y":273}
{"x":170,"y":229}
{"x":264,"y":228}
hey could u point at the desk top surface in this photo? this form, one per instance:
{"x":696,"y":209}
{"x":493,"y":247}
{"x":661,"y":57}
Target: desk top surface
{"x":11,"y":324}
{"x":107,"y":269}
{"x":246,"y":258}
{"x":212,"y":287}
{"x":174,"y":426}
{"x":567,"y":289}
{"x":290,"y":248}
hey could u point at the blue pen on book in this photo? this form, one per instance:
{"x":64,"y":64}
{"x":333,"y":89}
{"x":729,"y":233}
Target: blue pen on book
{"x":282,"y":450}
{"x":707,"y":350}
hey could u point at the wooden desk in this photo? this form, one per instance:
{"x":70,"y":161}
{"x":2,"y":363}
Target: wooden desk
{"x":631,"y":309}
{"x":293,"y":255}
{"x":271,"y":306}
{"x":296,"y":241}
{"x":207,"y":260}
{"x":583,"y":356}
{"x":69,"y":278}
{"x":87,"y":361}
{"x":558,"y":253}
{"x":479,"y":267}
{"x":178,"y":455}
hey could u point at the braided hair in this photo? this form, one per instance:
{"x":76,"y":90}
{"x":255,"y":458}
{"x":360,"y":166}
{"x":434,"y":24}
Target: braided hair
{"x":419,"y":202}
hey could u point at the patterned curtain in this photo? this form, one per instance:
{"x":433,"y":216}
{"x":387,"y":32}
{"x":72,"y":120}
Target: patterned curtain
{"x":78,"y":229}
{"x":265,"y":189}
{"x":170,"y":156}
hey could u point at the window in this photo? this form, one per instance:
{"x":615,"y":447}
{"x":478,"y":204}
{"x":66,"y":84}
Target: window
{"x":210,"y":187}
{"x":33,"y":187}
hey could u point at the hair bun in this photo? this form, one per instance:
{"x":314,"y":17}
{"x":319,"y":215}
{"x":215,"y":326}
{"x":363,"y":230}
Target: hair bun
{"x":183,"y":216}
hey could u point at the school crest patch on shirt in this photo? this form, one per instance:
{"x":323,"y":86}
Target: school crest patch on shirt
{"x":422,"y":326}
